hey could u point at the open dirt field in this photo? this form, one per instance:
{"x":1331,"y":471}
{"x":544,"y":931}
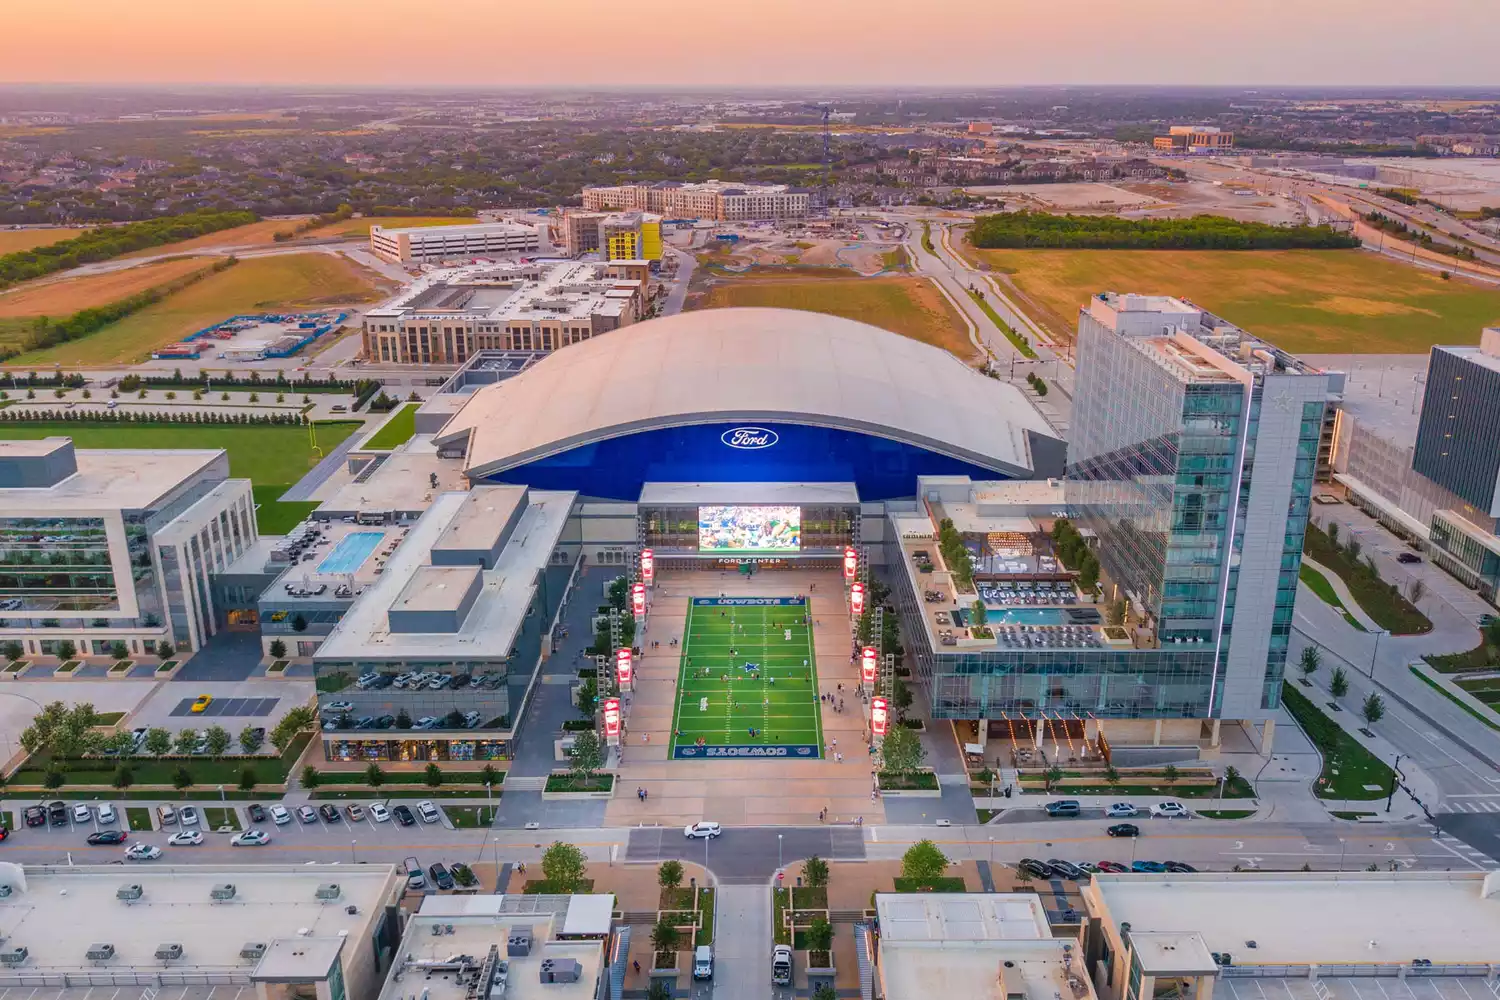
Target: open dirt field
{"x":1072,"y":197}
{"x":254,"y":285}
{"x":911,"y":307}
{"x":63,"y":298}
{"x":1304,"y":301}
{"x":361,"y":227}
{"x":12,"y":240}
{"x":255,"y":234}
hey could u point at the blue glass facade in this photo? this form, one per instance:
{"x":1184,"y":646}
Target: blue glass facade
{"x":616,"y":468}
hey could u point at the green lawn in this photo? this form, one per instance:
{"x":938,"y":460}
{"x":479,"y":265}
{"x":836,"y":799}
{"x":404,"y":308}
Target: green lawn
{"x":470,"y":817}
{"x":398,"y":430}
{"x":1481,"y":657}
{"x":1347,"y":766}
{"x":1319,"y":585}
{"x":138,"y":817}
{"x":1377,"y":598}
{"x":744,"y":667}
{"x":207,"y":772}
{"x":1475,"y":712}
{"x":277,"y":517}
{"x":1225,"y":813}
{"x":216,"y":817}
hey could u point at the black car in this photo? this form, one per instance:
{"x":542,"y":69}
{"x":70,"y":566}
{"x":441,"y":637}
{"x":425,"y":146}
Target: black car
{"x":257,"y":812}
{"x":1124,"y":830}
{"x":329,"y":813}
{"x":440,"y":876}
{"x":385,"y":722}
{"x":36,"y":816}
{"x":108,"y":837}
{"x":1040,"y":869}
{"x":1182,"y":867}
{"x":1408,"y":557}
{"x":1067,"y":869}
{"x":57,"y":813}
{"x":403,"y":816}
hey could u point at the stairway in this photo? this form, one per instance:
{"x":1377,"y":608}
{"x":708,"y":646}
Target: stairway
{"x":523,"y":784}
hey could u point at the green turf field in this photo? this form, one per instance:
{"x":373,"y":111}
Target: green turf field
{"x":778,"y":698}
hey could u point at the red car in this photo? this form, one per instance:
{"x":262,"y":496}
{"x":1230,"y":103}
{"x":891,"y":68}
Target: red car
{"x":1113,"y":867}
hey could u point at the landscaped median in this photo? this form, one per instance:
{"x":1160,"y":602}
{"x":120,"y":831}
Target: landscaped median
{"x":374,"y":782}
{"x":183,"y":776}
{"x":564,"y":785}
{"x":1350,"y":771}
{"x":1382,"y":601}
{"x":1478,"y":701}
{"x":1319,"y":585}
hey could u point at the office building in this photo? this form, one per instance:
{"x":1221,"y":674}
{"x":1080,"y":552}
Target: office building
{"x":445,"y":317}
{"x":418,"y":243}
{"x":512,"y":946}
{"x":616,"y":235}
{"x":1192,"y":456}
{"x":1191,"y":138}
{"x":956,"y":945}
{"x":1295,"y":935}
{"x":719,"y":201}
{"x":199,"y":932}
{"x":1458,"y":438}
{"x":448,"y":626}
{"x":114,"y":546}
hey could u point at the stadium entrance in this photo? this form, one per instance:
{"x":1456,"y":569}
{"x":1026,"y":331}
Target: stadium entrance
{"x":748,"y":527}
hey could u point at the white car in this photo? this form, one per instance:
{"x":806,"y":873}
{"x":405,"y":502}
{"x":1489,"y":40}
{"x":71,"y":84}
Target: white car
{"x":380,"y":813}
{"x":250,"y":838}
{"x":338,"y":707}
{"x":142,"y":852}
{"x":1170,"y":810}
{"x":428,"y":812}
{"x":106,"y":814}
{"x":83,"y":814}
{"x":1121,"y":810}
{"x":187,"y":816}
{"x":280,"y":815}
{"x":185,"y":838}
{"x":703,"y":829}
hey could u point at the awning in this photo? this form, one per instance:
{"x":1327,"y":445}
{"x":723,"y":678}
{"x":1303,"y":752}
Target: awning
{"x":1388,"y":509}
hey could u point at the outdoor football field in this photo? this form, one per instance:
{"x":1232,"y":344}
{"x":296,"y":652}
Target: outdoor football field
{"x":747,"y":664}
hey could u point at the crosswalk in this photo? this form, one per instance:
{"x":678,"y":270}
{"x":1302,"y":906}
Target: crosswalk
{"x":1473,"y":855}
{"x":1487,"y":803}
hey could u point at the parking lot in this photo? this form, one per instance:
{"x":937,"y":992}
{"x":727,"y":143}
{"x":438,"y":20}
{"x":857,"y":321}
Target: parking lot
{"x":234,"y":704}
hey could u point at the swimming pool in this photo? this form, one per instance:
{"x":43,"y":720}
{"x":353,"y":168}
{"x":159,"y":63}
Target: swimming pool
{"x":351,"y":552}
{"x":1029,"y":616}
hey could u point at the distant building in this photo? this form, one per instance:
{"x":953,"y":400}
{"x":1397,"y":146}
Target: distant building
{"x":981,"y":128}
{"x":446,"y":242}
{"x":445,"y":316}
{"x":720,"y":201}
{"x":1191,"y":137}
{"x":617,"y":235}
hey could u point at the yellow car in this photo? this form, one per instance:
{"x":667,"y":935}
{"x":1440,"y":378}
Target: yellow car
{"x":202,"y":702}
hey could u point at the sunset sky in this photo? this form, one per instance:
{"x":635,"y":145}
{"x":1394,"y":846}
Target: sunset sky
{"x":594,"y":43}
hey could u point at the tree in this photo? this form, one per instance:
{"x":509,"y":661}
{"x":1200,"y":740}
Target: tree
{"x":660,"y":989}
{"x":62,"y":730}
{"x":66,"y":649}
{"x":432,"y":776}
{"x":1117,"y":612}
{"x":1054,"y":775}
{"x":14,"y":651}
{"x":980,"y":613}
{"x":164,"y":650}
{"x":587,"y":755}
{"x":1312,"y":659}
{"x":669,"y":874}
{"x":1415,"y":591}
{"x":1023,"y":876}
{"x":664,"y":936}
{"x":54,"y":776}
{"x":901,"y":752}
{"x":1338,"y":684}
{"x":1231,"y":777}
{"x":1170,"y":774}
{"x":923,"y":862}
{"x":310,"y":777}
{"x":119,"y":650}
{"x":218,"y":740}
{"x":374,"y":776}
{"x":278,"y":649}
{"x":299,"y":622}
{"x":1373,"y":710}
{"x":1112,"y":776}
{"x":1491,"y":633}
{"x":123,"y":778}
{"x":403,"y":719}
{"x":815,"y":872}
{"x":158,"y":742}
{"x":184,"y":742}
{"x":819,"y":935}
{"x":564,"y":867}
{"x":251,"y":739}
{"x":182,"y":778}
{"x":248,"y":779}
{"x":489,"y":775}
{"x":121,"y":743}
{"x":1333,"y":533}
{"x":588,"y":698}
{"x":292,"y":723}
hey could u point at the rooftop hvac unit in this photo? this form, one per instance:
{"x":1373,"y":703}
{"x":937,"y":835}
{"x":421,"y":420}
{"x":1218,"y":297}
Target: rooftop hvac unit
{"x":561,"y":970}
{"x":168,"y":952}
{"x":253,"y":951}
{"x":328,"y":892}
{"x":518,"y":942}
{"x":13,"y":956}
{"x":100,"y":952}
{"x":129,"y":893}
{"x":222,"y":892}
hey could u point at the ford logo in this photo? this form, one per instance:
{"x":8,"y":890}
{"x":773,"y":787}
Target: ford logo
{"x":749,"y":438}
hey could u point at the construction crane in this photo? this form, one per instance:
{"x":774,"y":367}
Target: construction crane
{"x":827,"y":113}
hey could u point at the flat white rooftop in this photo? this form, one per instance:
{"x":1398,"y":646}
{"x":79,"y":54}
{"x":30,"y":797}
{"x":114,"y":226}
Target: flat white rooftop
{"x":109,"y":479}
{"x":58,"y":913}
{"x":1299,"y":918}
{"x":748,"y":493}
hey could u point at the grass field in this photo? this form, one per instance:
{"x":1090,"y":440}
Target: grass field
{"x":361,"y":227}
{"x":254,"y":234}
{"x":12,"y":240}
{"x":254,"y":285}
{"x":911,"y":307}
{"x":720,"y":701}
{"x":63,"y":298}
{"x":398,"y":430}
{"x":1304,"y":301}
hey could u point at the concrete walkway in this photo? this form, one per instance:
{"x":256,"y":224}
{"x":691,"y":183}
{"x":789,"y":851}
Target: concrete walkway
{"x":1341,"y":590}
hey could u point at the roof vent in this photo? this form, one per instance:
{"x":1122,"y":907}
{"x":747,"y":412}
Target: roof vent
{"x":129,"y":893}
{"x":100,"y":952}
{"x":13,"y":956}
{"x":168,"y":952}
{"x":328,"y":892}
{"x":253,"y":951}
{"x":222,"y":892}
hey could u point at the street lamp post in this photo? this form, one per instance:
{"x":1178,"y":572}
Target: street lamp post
{"x":779,"y":863}
{"x":353,"y":858}
{"x":1375,"y":651}
{"x":1343,"y":846}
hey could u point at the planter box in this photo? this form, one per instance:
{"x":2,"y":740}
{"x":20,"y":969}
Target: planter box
{"x":13,"y":670}
{"x":167,"y":669}
{"x":277,"y":669}
{"x":935,"y":792}
{"x":608,"y":793}
{"x":120,"y":670}
{"x":67,"y":670}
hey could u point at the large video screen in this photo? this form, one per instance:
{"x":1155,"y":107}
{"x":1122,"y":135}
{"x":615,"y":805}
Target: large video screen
{"x":749,"y":530}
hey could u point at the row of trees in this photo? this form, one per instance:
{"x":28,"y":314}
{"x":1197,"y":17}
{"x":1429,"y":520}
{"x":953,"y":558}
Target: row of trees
{"x":1402,"y":231}
{"x":67,"y":649}
{"x":432,"y":776}
{"x":1372,"y":710}
{"x":1029,"y":230}
{"x":141,"y":417}
{"x":955,"y":554}
{"x":112,"y":241}
{"x":1074,"y":551}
